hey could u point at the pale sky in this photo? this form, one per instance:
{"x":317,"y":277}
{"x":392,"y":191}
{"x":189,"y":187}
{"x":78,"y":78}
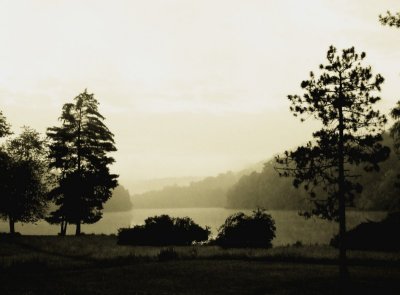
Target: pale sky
{"x":188,"y":87}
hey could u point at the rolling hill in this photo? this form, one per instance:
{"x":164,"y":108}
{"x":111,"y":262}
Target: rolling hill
{"x":261,"y":186}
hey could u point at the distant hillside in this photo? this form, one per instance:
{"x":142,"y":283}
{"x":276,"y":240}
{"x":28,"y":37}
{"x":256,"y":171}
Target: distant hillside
{"x":142,"y":186}
{"x":120,"y":200}
{"x":261,"y":186}
{"x":209,"y":192}
{"x":266,"y":189}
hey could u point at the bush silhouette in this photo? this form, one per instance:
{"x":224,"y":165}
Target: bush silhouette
{"x":243,"y":231}
{"x":373,"y":236}
{"x":163,"y":230}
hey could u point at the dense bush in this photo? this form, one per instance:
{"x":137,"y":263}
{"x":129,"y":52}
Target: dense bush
{"x":241,"y":230}
{"x":373,"y":236}
{"x":163,"y":230}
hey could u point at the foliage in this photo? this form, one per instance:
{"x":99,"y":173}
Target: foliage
{"x":164,"y":230}
{"x":78,"y":152}
{"x":241,"y":230}
{"x":24,"y":178}
{"x":395,"y":134}
{"x":4,"y":126}
{"x":341,"y":97}
{"x":392,"y":20}
{"x":374,"y":236}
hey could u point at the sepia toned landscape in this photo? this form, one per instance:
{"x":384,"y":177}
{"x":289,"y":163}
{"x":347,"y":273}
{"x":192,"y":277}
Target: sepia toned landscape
{"x":200,"y":147}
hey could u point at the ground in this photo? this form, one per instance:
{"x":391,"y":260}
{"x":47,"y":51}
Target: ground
{"x":96,"y":265}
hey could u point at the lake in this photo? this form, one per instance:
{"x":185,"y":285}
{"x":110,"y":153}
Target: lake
{"x":290,"y":227}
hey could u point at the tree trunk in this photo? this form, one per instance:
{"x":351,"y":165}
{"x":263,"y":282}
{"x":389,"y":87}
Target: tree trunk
{"x":342,"y":198}
{"x":63,"y":230}
{"x":12,"y":225}
{"x":78,"y":224}
{"x":78,"y":228}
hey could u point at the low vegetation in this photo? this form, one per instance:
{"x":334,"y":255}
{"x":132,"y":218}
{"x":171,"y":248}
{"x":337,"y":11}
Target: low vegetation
{"x":374,"y":236}
{"x":241,"y":230}
{"x":52,"y":252}
{"x":53,"y":265}
{"x":164,"y":230}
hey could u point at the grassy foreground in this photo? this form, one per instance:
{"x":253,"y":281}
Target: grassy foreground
{"x":96,"y":265}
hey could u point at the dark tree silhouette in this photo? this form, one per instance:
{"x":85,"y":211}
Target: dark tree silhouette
{"x":79,"y":153}
{"x":4,"y":126}
{"x":391,"y":20}
{"x":24,"y":179}
{"x":164,"y":230}
{"x":395,"y":134}
{"x":241,"y":230}
{"x":341,"y":97}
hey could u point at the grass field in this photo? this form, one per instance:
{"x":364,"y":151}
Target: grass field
{"x":96,"y":265}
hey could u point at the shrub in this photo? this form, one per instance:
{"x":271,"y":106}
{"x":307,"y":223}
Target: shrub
{"x":375,"y":236}
{"x":162,"y":231}
{"x":243,"y":231}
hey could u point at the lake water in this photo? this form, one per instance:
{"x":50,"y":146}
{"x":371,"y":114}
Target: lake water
{"x":290,"y":227}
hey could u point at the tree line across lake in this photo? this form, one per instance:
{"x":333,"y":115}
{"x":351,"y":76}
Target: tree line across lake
{"x":261,"y":186}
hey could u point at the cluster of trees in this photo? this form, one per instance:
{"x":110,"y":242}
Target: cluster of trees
{"x":69,"y":169}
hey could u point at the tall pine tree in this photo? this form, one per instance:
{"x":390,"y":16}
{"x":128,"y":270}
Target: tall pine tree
{"x":341,"y":97}
{"x":79,"y":153}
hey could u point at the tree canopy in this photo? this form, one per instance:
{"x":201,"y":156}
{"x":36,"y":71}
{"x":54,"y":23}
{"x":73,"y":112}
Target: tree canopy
{"x":392,"y":20}
{"x":341,"y":97}
{"x":4,"y":126}
{"x":252,"y":231}
{"x":79,"y":153}
{"x":24,"y":178}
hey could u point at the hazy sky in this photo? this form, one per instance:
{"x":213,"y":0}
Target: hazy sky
{"x":189,"y":87}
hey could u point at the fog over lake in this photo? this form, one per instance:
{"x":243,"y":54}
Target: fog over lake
{"x":290,"y":226}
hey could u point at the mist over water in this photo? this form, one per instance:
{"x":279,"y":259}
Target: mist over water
{"x":290,"y":227}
